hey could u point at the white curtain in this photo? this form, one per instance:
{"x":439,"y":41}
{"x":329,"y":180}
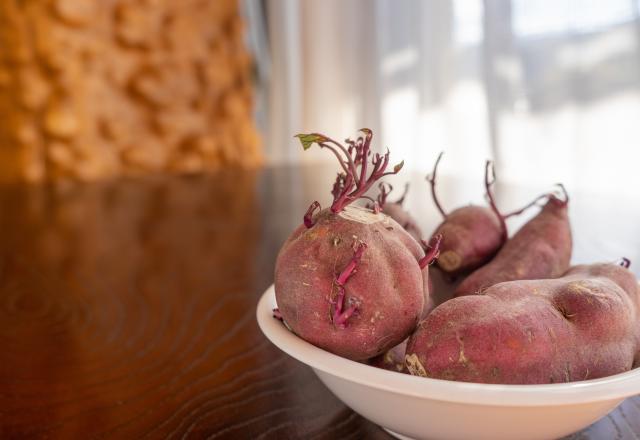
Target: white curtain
{"x":549,"y":89}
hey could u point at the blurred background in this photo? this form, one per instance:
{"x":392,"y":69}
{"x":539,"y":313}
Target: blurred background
{"x":549,"y":89}
{"x":149,"y":175}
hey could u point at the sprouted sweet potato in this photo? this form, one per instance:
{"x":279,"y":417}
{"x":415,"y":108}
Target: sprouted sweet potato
{"x":350,"y":280}
{"x":472,"y":234}
{"x":584,"y":325}
{"x":540,"y":249}
{"x":396,"y":211}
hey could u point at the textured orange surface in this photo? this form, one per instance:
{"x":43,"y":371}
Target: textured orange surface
{"x":92,"y":89}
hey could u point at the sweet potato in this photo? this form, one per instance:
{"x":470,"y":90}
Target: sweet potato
{"x":393,"y":359}
{"x":471,"y":234}
{"x":350,"y":280}
{"x":396,"y":210}
{"x":540,"y":249}
{"x":584,"y":325}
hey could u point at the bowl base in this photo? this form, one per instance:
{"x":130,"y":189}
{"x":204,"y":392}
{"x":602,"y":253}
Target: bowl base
{"x":396,"y":435}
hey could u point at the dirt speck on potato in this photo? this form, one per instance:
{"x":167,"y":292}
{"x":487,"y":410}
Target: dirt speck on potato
{"x":415,"y":366}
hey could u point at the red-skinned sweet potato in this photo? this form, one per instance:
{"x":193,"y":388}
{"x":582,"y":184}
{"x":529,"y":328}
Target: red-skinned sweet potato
{"x":350,"y":280}
{"x":540,"y":249}
{"x":471,"y":235}
{"x":584,"y":325}
{"x":396,"y":210}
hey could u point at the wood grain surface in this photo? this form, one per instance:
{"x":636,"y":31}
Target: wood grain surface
{"x":127,"y":308}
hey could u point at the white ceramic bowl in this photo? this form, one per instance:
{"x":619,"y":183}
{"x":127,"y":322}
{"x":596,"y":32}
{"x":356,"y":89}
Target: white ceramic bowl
{"x":421,"y":408}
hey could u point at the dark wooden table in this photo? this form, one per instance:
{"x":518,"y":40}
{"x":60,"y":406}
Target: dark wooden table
{"x":127,"y":308}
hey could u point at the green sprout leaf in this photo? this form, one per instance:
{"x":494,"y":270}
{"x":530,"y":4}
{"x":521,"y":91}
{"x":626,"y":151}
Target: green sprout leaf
{"x":309,"y":139}
{"x":398,"y":167}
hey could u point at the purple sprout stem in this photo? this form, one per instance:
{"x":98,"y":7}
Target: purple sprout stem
{"x":370,"y":199}
{"x":350,"y":268}
{"x":365,"y":153}
{"x":432,"y":251}
{"x":343,"y":164}
{"x":625,"y":262}
{"x":385,"y":188}
{"x":340,"y":315}
{"x":565,"y":194}
{"x":379,"y":165}
{"x":489,"y":180}
{"x":342,"y":200}
{"x":338,"y":186}
{"x":547,"y":196}
{"x":534,"y":202}
{"x":349,"y":163}
{"x":431,"y":178}
{"x":400,"y":201}
{"x":355,"y":164}
{"x":308,"y":217}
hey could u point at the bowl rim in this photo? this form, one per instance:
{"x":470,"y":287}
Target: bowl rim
{"x":618,"y":386}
